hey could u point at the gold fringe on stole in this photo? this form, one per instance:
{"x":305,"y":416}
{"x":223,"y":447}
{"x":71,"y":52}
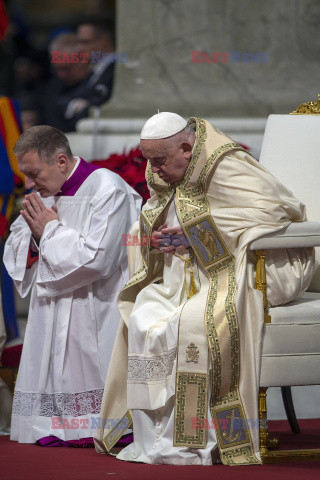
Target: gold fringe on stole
{"x":192,"y":284}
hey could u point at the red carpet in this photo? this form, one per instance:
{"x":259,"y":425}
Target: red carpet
{"x":30,"y":462}
{"x":308,"y":438}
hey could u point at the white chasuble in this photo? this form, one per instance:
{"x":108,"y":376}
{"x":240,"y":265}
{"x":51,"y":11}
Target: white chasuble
{"x":73,"y":316}
{"x":225,"y":201}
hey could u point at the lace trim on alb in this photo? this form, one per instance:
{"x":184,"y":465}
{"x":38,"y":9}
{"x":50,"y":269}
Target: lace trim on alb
{"x":56,"y":404}
{"x":151,"y":369}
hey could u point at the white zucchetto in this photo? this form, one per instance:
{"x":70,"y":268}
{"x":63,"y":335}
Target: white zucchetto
{"x":162,"y":125}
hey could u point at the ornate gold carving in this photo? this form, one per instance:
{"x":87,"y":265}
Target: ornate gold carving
{"x":192,"y":353}
{"x":263,"y":426}
{"x":272,"y":443}
{"x":308,"y":108}
{"x":265,"y":441}
{"x":279,"y":456}
{"x":261,"y":281}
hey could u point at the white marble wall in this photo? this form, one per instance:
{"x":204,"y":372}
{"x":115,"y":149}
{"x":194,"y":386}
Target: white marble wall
{"x":159,"y":36}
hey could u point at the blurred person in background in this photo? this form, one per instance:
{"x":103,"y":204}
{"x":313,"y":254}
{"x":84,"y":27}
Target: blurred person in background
{"x":96,"y":38}
{"x":67,"y":95}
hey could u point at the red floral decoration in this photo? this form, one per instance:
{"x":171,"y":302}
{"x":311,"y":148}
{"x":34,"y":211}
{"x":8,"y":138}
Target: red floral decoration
{"x":131,"y":167}
{"x":4,"y":21}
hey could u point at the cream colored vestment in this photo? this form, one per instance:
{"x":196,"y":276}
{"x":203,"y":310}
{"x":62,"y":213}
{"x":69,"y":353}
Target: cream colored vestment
{"x":245,"y":202}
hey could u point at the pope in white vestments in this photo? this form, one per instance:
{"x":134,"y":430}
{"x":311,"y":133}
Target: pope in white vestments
{"x":75,"y":269}
{"x":191,"y":316}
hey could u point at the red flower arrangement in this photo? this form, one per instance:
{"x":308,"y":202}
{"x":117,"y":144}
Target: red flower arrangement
{"x":131,"y":167}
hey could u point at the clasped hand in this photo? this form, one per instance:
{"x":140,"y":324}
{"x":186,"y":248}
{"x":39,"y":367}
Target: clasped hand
{"x":37,"y":215}
{"x":169,"y":240}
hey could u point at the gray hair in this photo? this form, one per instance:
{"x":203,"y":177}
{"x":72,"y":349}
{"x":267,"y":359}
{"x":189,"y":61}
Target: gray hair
{"x":46,"y":141}
{"x":189,"y":132}
{"x":186,"y":135}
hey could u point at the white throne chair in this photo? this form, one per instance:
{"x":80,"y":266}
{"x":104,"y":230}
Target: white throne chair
{"x":291,"y":341}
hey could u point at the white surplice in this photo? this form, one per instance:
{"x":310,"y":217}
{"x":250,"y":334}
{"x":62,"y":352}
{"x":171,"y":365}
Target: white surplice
{"x":73,"y":316}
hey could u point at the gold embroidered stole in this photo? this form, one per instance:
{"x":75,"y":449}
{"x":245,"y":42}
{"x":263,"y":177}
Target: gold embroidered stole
{"x":216,"y":314}
{"x":209,"y":319}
